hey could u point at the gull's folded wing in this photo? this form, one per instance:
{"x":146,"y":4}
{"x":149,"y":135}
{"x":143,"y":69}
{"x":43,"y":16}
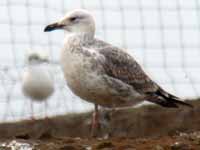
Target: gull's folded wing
{"x":120,"y":65}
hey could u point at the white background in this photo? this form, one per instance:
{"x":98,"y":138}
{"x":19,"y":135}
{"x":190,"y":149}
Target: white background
{"x":163,"y":35}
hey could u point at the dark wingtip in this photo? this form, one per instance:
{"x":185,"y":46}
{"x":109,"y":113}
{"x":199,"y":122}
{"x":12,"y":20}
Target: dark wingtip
{"x":172,"y":99}
{"x":185,"y":104}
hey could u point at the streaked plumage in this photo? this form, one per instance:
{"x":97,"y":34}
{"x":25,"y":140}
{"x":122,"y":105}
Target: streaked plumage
{"x":101,"y":73}
{"x":106,"y":75}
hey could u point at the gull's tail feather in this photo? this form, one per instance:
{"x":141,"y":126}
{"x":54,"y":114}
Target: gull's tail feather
{"x":167,"y":100}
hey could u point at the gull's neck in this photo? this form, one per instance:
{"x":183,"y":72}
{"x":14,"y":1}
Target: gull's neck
{"x":80,"y":38}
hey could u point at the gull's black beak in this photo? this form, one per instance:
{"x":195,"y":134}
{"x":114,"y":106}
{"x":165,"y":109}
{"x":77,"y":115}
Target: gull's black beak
{"x":54,"y":26}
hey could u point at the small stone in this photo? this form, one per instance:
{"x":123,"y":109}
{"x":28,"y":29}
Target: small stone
{"x":184,"y":135}
{"x":180,"y":146}
{"x":88,"y":147}
{"x":158,"y":147}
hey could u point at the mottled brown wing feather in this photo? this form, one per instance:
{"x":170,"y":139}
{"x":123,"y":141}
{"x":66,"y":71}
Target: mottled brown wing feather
{"x":119,"y":64}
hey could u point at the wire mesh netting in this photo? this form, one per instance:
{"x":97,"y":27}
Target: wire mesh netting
{"x":164,"y":36}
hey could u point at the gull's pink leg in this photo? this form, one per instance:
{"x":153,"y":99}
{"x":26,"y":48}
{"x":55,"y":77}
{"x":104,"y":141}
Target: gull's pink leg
{"x":46,"y":118}
{"x":32,"y":112}
{"x":95,"y":121}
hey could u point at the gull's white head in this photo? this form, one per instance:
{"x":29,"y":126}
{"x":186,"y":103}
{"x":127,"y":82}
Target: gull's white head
{"x":78,"y":21}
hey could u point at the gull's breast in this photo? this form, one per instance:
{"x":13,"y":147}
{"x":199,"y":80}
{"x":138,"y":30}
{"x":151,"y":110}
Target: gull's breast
{"x":37,"y":83}
{"x":81,"y":76}
{"x":84,"y":78}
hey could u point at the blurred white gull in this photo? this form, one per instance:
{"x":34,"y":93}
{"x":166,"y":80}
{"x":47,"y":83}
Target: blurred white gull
{"x":102,"y":73}
{"x":37,"y":82}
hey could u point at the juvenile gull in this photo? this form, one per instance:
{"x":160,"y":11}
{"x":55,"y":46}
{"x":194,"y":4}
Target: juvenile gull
{"x":37,"y":83}
{"x":101,"y":73}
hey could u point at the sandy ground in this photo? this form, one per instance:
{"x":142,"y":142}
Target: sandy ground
{"x":145,"y":128}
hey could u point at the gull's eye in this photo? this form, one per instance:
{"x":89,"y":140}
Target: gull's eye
{"x":73,"y":19}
